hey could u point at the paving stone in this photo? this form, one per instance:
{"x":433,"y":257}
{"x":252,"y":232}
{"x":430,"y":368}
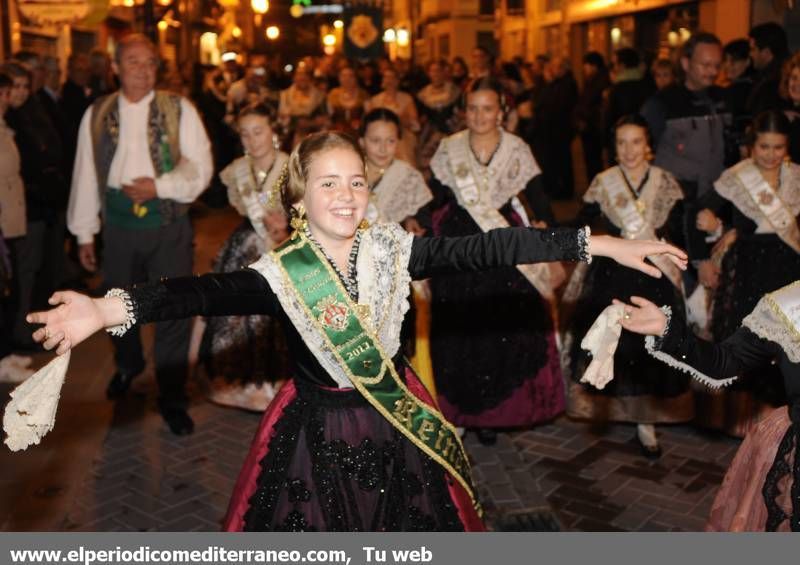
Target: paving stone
{"x":634,"y":516}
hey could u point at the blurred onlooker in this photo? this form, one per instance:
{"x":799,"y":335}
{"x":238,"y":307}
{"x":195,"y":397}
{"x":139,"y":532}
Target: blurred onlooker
{"x":302,"y":105}
{"x":459,"y":72}
{"x":790,"y":94}
{"x":482,"y":63}
{"x":552,"y":128}
{"x":101,"y":76}
{"x":689,"y":120}
{"x":346,"y":102}
{"x":589,"y":111}
{"x":33,"y":62}
{"x":739,"y":82}
{"x":39,"y":256}
{"x":769,"y":48}
{"x":438,"y":103}
{"x":13,"y":368}
{"x":219,"y":81}
{"x":663,"y":72}
{"x":402,"y":104}
{"x":369,"y":78}
{"x":251,"y":89}
{"x":49,"y":96}
{"x":628,"y":92}
{"x":75,"y":98}
{"x":690,"y":124}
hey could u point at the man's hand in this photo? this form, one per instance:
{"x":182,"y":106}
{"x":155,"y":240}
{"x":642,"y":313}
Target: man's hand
{"x":142,"y":189}
{"x":87,"y":257}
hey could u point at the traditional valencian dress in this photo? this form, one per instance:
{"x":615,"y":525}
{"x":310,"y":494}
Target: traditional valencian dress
{"x":492,"y":336}
{"x":764,"y":257}
{"x":399,"y":194}
{"x":642,"y":390}
{"x":247,"y":350}
{"x":353,"y":442}
{"x":759,"y":491}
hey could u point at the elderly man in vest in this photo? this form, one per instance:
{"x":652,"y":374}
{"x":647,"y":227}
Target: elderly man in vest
{"x":143,"y":157}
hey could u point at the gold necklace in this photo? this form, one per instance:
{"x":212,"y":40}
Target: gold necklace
{"x":381,"y":171}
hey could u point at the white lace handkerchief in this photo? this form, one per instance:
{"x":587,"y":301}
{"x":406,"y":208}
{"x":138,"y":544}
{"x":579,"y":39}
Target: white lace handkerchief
{"x":601,"y":341}
{"x":31,"y":413}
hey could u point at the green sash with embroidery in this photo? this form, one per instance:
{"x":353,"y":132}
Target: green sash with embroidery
{"x":359,"y":353}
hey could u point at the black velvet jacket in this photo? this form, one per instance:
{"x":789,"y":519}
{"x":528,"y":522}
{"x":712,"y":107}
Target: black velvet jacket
{"x":246,"y":292}
{"x":740,"y":353}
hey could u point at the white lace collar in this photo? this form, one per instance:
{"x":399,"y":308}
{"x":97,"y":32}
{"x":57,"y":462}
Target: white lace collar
{"x":383,"y":285}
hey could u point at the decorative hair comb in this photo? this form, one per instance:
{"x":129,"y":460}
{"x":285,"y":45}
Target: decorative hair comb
{"x":274,"y":200}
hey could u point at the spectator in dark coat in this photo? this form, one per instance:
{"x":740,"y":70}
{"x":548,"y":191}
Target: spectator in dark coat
{"x":769,"y":48}
{"x":628,"y":93}
{"x":552,"y":128}
{"x":589,"y":111}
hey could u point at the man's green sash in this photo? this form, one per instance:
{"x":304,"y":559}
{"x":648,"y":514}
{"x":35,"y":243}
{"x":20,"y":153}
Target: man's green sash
{"x":359,"y":353}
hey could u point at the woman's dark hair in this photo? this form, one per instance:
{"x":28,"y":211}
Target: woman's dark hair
{"x":771,"y":121}
{"x":460,"y":61}
{"x":772,"y":36}
{"x":628,"y":57}
{"x":595,"y":59}
{"x":379,"y":115}
{"x":487,"y":83}
{"x":255,"y":109}
{"x":738,"y":49}
{"x":5,"y":80}
{"x":634,"y":120}
{"x":511,"y":71}
{"x":16,"y":69}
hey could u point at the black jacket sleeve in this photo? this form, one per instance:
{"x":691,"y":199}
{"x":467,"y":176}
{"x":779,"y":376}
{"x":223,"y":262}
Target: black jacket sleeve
{"x":505,"y":247}
{"x":242,"y":292}
{"x":741,"y":352}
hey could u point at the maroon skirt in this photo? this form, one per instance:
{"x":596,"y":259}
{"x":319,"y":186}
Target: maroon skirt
{"x":323,"y":459}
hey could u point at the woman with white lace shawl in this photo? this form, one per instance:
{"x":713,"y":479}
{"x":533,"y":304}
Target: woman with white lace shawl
{"x":246,"y":356}
{"x":760,"y":490}
{"x":634,"y":200}
{"x":756,"y":203}
{"x":398,"y":193}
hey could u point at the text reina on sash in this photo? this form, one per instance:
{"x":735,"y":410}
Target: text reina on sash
{"x":430,"y":432}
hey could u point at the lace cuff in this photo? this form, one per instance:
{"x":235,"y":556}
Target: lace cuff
{"x":584,"y":240}
{"x":654,"y":346}
{"x":130,"y":317}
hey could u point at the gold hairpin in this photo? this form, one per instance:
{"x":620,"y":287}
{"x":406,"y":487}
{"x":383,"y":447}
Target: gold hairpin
{"x":274,"y":200}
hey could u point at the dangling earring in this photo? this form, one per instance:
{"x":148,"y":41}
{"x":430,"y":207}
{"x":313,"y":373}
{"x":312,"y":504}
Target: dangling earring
{"x":276,"y":143}
{"x":363,"y":224}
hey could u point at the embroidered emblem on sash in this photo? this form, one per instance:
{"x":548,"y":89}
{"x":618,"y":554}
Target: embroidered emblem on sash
{"x":332,"y":314}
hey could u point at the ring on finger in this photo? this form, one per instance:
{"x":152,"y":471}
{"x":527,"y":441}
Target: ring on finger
{"x":627,"y":315}
{"x":46,"y":333}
